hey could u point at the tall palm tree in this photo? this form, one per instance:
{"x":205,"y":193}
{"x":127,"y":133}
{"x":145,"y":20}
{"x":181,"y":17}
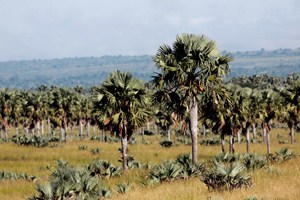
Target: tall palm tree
{"x":186,"y":69}
{"x":16,"y":109}
{"x":273,"y":103}
{"x":257,"y":110}
{"x":291,"y":113}
{"x":63,"y":105}
{"x":217,"y":113}
{"x":5,"y":110}
{"x":125,"y":96}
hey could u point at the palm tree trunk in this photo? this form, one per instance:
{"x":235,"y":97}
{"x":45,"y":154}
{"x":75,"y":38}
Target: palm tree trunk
{"x":49,"y":126}
{"x":80,"y":129}
{"x":42,"y":127}
{"x":124,"y":143}
{"x":65,"y":130}
{"x":223,"y":143}
{"x":254,"y":131}
{"x":148,"y":126}
{"x":248,"y":139}
{"x":94,"y":130}
{"x":88,"y":128}
{"x":6,"y":133}
{"x":143,"y":134}
{"x":61,"y":133}
{"x":17,"y":131}
{"x":194,"y":128}
{"x":103,"y":135}
{"x":292,"y":135}
{"x":169,"y":134}
{"x":268,"y":143}
{"x":231,"y":143}
{"x":265,"y":134}
{"x":239,"y":136}
{"x":204,"y":131}
{"x":38,"y":127}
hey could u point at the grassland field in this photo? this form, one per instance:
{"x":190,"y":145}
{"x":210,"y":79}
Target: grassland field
{"x":274,"y":181}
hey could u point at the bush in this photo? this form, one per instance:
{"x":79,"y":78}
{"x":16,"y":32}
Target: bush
{"x":182,"y":167}
{"x":5,"y":175}
{"x":188,"y":168}
{"x":222,"y":177}
{"x":227,"y":157}
{"x":210,"y":141}
{"x":184,"y":140}
{"x":132,"y":163}
{"x":33,"y":140}
{"x":123,"y":188}
{"x":103,"y":169}
{"x":146,"y":132}
{"x":82,"y":147}
{"x":70,"y":183}
{"x":282,"y":155}
{"x":166,"y":143}
{"x":254,"y":161}
{"x":95,"y":150}
{"x":167,"y":171}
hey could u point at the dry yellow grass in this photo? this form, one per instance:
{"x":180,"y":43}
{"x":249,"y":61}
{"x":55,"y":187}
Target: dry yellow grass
{"x":278,"y":181}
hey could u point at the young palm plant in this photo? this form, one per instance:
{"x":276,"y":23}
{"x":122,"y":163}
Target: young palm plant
{"x":226,"y":177}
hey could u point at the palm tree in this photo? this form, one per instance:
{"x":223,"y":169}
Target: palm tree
{"x":16,"y":109}
{"x":217,"y":113}
{"x":5,"y":110}
{"x":291,"y":113}
{"x":256,"y":110}
{"x":63,"y":105}
{"x":272,"y":105}
{"x":186,"y":69}
{"x":126,"y":98}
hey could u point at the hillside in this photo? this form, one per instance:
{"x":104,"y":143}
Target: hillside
{"x":89,"y":71}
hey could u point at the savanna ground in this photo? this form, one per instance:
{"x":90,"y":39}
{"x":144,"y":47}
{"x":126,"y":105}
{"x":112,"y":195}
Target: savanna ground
{"x":274,"y":181}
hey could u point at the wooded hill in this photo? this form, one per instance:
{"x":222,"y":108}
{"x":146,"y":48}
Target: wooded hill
{"x":89,"y":71}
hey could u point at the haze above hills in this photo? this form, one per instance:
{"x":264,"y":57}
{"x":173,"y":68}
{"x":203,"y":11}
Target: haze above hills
{"x":89,"y":71}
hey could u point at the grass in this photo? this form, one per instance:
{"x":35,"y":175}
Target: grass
{"x":276,"y":181}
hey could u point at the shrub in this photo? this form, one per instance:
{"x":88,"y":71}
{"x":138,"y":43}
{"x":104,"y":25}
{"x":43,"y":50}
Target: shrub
{"x":188,"y":168}
{"x":132,"y":163}
{"x":103,"y":169}
{"x":70,"y":183}
{"x":5,"y":175}
{"x":184,"y":140}
{"x":33,"y":140}
{"x":82,"y":147}
{"x":282,"y":155}
{"x":96,"y":138}
{"x":254,"y":161}
{"x":227,"y":157}
{"x":167,"y":171}
{"x":166,"y":143}
{"x":95,"y":150}
{"x":222,"y":177}
{"x":146,"y":132}
{"x":210,"y":141}
{"x":123,"y":188}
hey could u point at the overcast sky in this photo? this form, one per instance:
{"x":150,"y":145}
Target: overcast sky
{"x":42,"y":29}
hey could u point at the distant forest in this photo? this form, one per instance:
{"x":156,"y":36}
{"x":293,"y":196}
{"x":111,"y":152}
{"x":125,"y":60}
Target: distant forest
{"x":90,"y":71}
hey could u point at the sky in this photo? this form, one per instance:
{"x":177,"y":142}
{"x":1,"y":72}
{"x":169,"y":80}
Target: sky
{"x":36,"y":29}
